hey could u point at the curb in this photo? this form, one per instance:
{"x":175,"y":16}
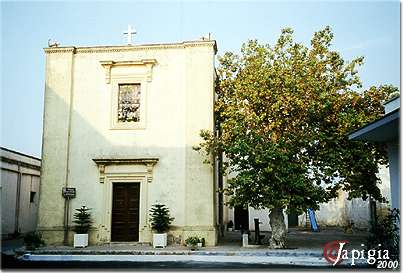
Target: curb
{"x":241,"y":260}
{"x":269,"y":253}
{"x":209,"y":259}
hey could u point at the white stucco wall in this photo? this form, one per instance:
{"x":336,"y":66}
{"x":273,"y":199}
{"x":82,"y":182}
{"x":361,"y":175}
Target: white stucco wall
{"x":8,"y":201}
{"x":20,"y":175}
{"x":394,"y":168}
{"x":338,"y":212}
{"x":342,"y":212}
{"x":77,"y":129}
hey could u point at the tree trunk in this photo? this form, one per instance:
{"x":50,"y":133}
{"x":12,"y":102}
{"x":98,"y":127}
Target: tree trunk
{"x":278,"y":229}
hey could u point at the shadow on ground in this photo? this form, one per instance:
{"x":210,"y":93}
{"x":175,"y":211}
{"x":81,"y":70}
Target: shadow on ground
{"x":301,"y":239}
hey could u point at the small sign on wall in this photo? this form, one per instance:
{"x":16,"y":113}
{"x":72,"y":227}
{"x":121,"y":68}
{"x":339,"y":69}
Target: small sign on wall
{"x":69,"y":192}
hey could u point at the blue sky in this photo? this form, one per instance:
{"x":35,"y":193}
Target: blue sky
{"x":369,"y":29}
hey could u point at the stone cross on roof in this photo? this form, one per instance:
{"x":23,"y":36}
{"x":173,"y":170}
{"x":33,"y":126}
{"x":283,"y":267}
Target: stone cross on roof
{"x":129,"y":33}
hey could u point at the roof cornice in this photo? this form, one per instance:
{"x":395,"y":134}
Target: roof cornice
{"x":126,"y":48}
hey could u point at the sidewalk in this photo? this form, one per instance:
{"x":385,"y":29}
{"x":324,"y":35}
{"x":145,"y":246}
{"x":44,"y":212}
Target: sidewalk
{"x":8,"y":246}
{"x":298,"y":241}
{"x":305,"y":248}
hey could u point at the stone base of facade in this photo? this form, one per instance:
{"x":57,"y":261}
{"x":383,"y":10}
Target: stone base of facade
{"x":176,"y":236}
{"x":52,"y":236}
{"x":55,"y":236}
{"x":210,"y":234}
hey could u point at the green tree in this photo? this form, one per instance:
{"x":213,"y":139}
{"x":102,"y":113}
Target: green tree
{"x":385,"y":235}
{"x":82,"y":219}
{"x":160,"y":218}
{"x":284,"y":113}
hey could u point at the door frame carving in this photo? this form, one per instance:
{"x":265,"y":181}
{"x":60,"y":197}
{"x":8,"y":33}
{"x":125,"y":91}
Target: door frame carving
{"x":108,"y":198}
{"x":131,"y":170}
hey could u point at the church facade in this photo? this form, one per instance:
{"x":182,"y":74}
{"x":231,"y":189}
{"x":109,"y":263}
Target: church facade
{"x":120,"y":124}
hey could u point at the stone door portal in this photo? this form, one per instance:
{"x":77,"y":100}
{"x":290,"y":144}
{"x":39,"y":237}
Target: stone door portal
{"x":125,"y":212}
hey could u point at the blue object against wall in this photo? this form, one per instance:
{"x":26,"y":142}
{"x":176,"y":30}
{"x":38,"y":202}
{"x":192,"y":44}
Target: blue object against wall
{"x":312,"y":219}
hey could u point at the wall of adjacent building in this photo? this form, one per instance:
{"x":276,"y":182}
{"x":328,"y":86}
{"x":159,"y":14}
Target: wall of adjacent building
{"x":77,"y":129}
{"x":339,"y":212}
{"x":20,"y":175}
{"x":394,"y":167}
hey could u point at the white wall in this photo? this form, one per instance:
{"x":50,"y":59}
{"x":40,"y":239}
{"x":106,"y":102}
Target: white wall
{"x":77,"y":129}
{"x":342,"y":212}
{"x":8,"y":201}
{"x":337,"y":212}
{"x":18,"y":171}
{"x":394,"y":163}
{"x":29,"y":210}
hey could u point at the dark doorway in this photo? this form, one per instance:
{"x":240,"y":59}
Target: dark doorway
{"x":125,"y":212}
{"x":292,"y":219}
{"x":241,"y":217}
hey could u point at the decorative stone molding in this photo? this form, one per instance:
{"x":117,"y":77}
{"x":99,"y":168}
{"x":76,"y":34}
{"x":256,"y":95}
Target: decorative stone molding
{"x":150,"y":167}
{"x":198,"y":228}
{"x":101,"y":168}
{"x":108,"y":65}
{"x":106,"y":49}
{"x":60,"y":50}
{"x":148,"y":162}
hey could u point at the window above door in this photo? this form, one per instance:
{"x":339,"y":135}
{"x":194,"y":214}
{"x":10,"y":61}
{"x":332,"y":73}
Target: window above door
{"x":129,"y":81}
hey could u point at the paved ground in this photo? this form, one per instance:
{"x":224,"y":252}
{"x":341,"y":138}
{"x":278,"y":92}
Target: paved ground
{"x":149,"y":264}
{"x":8,"y":246}
{"x":302,"y":239}
{"x":298,"y":240}
{"x":305,"y":249}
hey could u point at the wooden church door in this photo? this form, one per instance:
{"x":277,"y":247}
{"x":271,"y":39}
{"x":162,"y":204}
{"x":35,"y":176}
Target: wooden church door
{"x":125,"y":212}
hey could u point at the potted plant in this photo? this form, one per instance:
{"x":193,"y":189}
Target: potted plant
{"x":192,"y":242}
{"x":82,"y":219}
{"x":230,"y":225}
{"x":203,"y":242}
{"x":33,"y":240}
{"x":160,"y":220}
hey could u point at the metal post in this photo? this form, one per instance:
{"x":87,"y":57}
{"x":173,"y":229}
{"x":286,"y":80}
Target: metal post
{"x":66,"y":221}
{"x":372,"y":211}
{"x":257,"y":232}
{"x":68,"y":193}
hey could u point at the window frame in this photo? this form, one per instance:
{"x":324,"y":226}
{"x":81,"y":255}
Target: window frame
{"x":128,"y":72}
{"x":115,"y":82}
{"x":32,"y":195}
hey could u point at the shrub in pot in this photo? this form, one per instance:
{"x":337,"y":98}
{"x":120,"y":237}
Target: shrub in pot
{"x":203,"y":242}
{"x":192,"y":242}
{"x":160,"y":221}
{"x":33,"y":240}
{"x":82,"y":219}
{"x":230,"y":225}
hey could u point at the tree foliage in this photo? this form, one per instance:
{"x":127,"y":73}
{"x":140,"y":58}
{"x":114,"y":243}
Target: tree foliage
{"x":385,"y":234}
{"x":284,"y":113}
{"x":82,"y":219}
{"x":159,"y":218}
{"x":33,"y":240}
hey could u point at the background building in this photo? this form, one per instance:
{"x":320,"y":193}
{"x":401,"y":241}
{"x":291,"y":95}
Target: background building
{"x":20,"y":181}
{"x":386,"y":130}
